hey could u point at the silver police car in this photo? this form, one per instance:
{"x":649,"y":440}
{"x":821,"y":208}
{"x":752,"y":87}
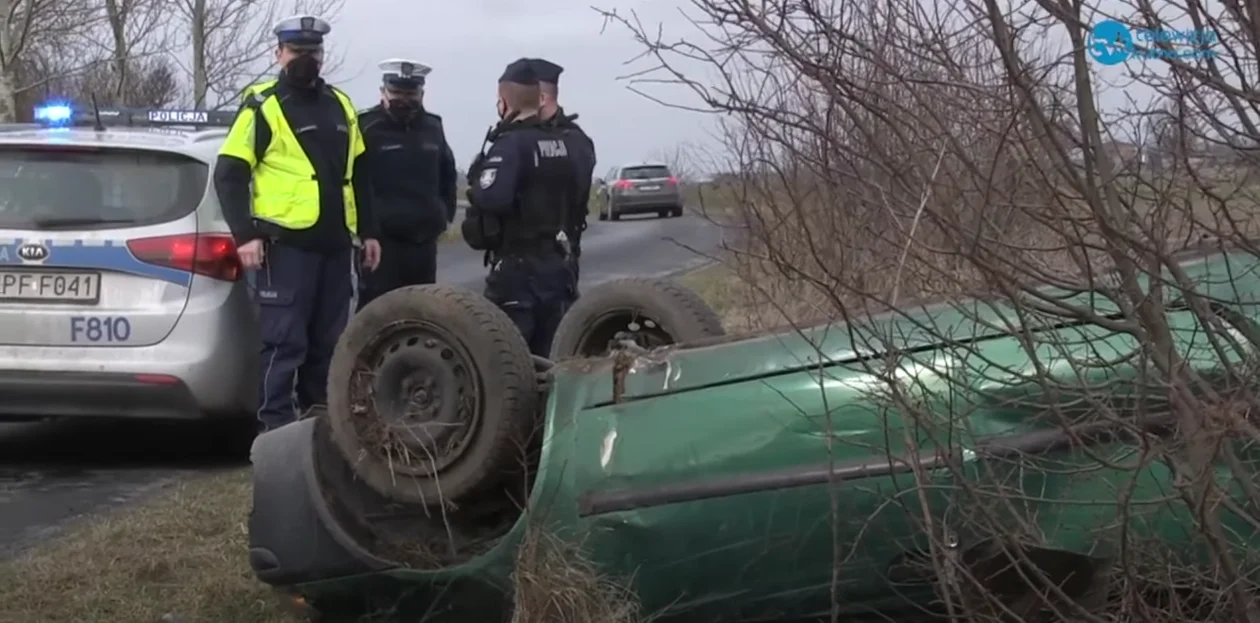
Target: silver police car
{"x":120,"y":291}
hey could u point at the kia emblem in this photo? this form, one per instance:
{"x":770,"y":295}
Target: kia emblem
{"x":33,"y":252}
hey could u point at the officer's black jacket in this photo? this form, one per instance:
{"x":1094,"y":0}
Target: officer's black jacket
{"x":525,"y":184}
{"x":326,"y":145}
{"x":413,"y":173}
{"x":584,"y":159}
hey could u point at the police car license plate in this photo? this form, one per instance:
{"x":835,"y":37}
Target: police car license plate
{"x":649,"y":188}
{"x":50,"y":286}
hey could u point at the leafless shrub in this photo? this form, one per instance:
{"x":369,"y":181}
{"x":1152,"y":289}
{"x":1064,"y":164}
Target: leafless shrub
{"x":230,"y":44}
{"x":974,"y":154}
{"x":682,"y":160}
{"x":42,"y":41}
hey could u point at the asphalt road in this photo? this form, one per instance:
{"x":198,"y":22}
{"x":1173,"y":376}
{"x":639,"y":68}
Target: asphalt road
{"x":53,"y":472}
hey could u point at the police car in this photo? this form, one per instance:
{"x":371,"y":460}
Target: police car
{"x":120,"y":290}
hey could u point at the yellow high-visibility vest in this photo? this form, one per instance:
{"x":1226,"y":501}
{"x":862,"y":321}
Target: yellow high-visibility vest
{"x":285,"y":191}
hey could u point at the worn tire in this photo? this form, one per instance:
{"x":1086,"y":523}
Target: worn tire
{"x":508,"y":391}
{"x":679,"y":313}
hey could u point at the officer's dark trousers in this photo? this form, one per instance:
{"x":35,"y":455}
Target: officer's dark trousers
{"x":535,"y":290}
{"x":305,"y":300}
{"x":403,"y":263}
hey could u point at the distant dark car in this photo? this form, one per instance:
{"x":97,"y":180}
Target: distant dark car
{"x":639,"y":189}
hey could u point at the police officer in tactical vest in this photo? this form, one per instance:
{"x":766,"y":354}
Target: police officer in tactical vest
{"x":413,"y":179}
{"x":581,"y":147}
{"x":519,"y":191}
{"x":290,"y":181}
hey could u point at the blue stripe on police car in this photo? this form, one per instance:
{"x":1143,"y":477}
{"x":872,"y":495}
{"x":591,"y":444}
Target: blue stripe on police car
{"x":108,"y":255}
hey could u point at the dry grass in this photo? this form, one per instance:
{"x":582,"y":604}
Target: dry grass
{"x":555,"y":583}
{"x":452,"y":233}
{"x":745,"y":307}
{"x":181,"y":558}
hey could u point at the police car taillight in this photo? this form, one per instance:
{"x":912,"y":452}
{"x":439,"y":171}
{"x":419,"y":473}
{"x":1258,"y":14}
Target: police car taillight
{"x":212,"y":255}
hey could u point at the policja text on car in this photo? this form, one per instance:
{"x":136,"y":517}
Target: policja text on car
{"x":413,"y":179}
{"x":520,"y":190}
{"x":581,"y":148}
{"x":298,"y":140}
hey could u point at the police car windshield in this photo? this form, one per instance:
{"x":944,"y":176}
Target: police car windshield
{"x":644,"y":173}
{"x":96,"y":189}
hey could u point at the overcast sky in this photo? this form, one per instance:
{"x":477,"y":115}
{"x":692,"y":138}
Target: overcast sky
{"x":468,"y":44}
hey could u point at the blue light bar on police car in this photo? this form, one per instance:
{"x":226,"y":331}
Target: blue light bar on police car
{"x":54,"y":113}
{"x":64,"y":114}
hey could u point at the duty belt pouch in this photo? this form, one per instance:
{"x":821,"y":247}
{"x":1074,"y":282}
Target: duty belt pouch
{"x":483,"y":232}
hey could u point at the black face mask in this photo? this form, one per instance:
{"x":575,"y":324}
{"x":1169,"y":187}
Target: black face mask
{"x":302,"y":70}
{"x":403,"y":108}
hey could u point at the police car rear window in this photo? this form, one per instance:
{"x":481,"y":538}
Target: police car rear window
{"x":644,"y":173}
{"x":55,"y":188}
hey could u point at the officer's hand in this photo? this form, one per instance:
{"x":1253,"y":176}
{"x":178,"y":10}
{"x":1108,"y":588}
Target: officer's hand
{"x":251,"y":254}
{"x":371,"y":254}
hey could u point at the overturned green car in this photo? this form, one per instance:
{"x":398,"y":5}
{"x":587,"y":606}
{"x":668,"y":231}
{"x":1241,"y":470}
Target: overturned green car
{"x":782,"y":476}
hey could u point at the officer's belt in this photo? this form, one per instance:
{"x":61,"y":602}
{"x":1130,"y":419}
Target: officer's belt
{"x":531,"y":247}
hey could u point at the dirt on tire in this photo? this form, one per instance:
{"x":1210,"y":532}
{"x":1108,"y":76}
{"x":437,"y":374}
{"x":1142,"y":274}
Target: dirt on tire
{"x":508,"y":395}
{"x":677,"y":311}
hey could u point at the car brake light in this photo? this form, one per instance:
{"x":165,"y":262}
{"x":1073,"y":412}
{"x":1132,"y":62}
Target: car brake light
{"x":212,"y":255}
{"x":673,"y":181}
{"x":622,"y":184}
{"x":157,"y":379}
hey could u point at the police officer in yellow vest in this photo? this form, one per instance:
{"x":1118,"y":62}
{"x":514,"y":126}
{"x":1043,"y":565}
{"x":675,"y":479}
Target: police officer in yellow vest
{"x":300,"y":222}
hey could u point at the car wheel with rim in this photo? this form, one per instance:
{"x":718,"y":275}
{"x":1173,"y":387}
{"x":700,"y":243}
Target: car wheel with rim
{"x":431,"y":394}
{"x":647,"y":312}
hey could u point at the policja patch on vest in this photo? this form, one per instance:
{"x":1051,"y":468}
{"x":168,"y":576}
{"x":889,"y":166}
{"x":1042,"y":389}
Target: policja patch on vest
{"x":487,"y":178}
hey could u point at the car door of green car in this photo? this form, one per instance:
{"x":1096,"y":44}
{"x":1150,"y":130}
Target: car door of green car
{"x":746,"y":501}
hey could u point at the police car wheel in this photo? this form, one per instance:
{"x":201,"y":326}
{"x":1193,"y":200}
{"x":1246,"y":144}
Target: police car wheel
{"x":432,"y":394}
{"x":646,"y":312}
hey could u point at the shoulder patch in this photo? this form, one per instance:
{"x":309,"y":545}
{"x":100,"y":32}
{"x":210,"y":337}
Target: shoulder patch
{"x":487,"y":178}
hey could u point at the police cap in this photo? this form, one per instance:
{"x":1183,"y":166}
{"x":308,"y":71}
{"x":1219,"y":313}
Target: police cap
{"x":401,"y":74}
{"x":520,"y":71}
{"x":546,"y":70}
{"x":302,"y":30}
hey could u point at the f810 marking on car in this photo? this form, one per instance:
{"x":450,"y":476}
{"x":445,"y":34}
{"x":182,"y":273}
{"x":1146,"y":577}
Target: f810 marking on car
{"x":111,"y":329}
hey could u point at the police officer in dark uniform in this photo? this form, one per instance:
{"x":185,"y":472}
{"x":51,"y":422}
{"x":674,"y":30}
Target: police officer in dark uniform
{"x":413,"y":179}
{"x":292,"y":187}
{"x":519,"y":190}
{"x":580,"y":146}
